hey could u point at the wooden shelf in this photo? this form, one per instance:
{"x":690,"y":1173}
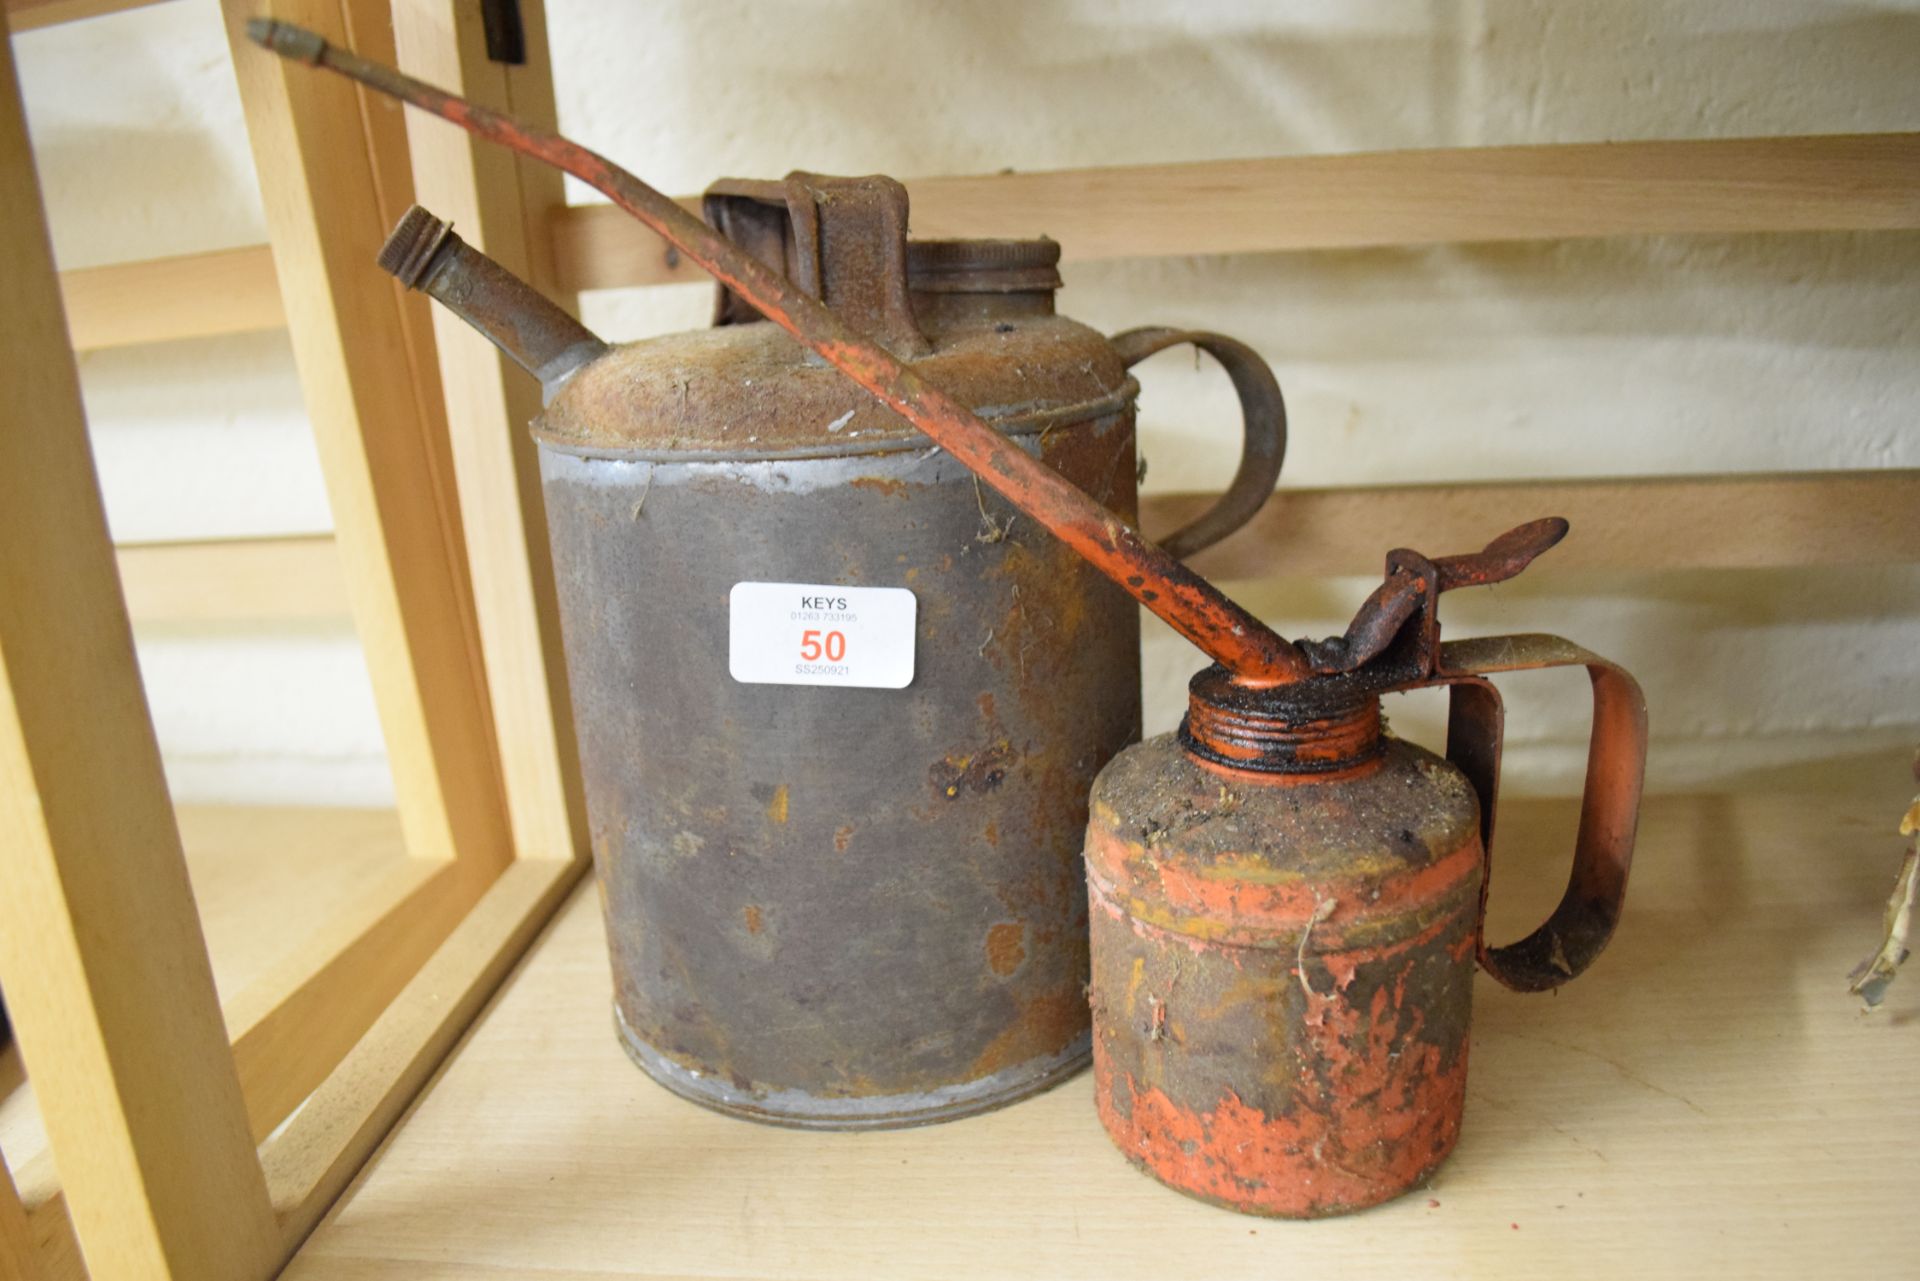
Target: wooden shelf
{"x":1708,"y":1101}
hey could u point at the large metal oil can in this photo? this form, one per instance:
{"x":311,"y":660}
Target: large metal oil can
{"x":833,"y":904}
{"x":1288,"y":902}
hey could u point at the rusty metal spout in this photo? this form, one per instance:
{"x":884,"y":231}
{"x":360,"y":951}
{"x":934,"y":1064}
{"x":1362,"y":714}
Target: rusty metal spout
{"x":1253,"y":653}
{"x":424,"y":253}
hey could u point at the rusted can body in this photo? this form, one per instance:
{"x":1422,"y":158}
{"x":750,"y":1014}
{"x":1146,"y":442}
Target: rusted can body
{"x":843,"y":907}
{"x":1283,"y":975}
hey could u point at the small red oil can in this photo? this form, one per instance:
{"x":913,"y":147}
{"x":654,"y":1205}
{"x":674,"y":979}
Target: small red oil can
{"x":1286,"y":907}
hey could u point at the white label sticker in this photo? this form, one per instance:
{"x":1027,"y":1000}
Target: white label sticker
{"x":815,"y":634}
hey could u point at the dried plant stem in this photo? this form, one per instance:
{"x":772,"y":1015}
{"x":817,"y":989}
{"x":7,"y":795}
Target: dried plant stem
{"x":1871,"y":977}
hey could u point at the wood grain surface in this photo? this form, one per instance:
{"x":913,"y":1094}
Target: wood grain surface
{"x":107,"y":980}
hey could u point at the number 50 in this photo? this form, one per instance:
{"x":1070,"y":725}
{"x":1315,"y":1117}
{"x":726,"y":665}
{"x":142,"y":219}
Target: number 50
{"x":834,"y":648}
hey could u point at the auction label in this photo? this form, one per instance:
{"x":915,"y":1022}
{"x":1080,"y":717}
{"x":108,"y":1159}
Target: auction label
{"x":814,"y":634}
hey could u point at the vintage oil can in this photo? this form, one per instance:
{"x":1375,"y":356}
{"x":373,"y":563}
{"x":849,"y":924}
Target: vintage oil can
{"x":1288,"y":903}
{"x":1287,"y":906}
{"x":832,"y":905}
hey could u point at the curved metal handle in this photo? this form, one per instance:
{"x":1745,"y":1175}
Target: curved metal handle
{"x":1265,"y":444}
{"x":1580,"y":926}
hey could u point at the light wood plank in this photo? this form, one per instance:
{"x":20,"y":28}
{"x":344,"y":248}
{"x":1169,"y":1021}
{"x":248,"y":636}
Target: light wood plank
{"x":19,"y":1260}
{"x":311,"y":1160}
{"x":227,"y":291}
{"x":53,"y":1236}
{"x":1866,"y":182}
{"x":101,"y":954}
{"x":1707,"y":1101}
{"x":1804,"y":520}
{"x":331,"y":189}
{"x":24,"y":15}
{"x":220,"y":580}
{"x":299,"y":1020}
{"x":500,"y":203}
{"x":597,"y":246}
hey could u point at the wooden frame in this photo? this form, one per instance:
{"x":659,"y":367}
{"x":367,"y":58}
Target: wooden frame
{"x":154,"y":1096}
{"x":200,"y":1140}
{"x":137,"y":1088}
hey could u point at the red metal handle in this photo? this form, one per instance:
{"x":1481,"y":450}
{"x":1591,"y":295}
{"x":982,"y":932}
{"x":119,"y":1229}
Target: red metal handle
{"x":1580,"y":926}
{"x":1263,"y":413}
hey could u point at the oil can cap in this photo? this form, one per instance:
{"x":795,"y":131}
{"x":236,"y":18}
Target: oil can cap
{"x":973,"y":317}
{"x":983,"y":266}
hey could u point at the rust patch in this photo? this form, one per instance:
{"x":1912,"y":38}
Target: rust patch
{"x":755,"y":922}
{"x":1045,"y":1027}
{"x":992,"y":834}
{"x":985,"y":703}
{"x":1006,"y":947}
{"x":979,"y":772}
{"x":777,"y":807}
{"x":880,"y":485}
{"x":842,"y":836}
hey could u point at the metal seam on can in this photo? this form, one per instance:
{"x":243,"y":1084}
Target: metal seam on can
{"x":799,"y":1110}
{"x":1426,"y":928}
{"x":1025,"y":424}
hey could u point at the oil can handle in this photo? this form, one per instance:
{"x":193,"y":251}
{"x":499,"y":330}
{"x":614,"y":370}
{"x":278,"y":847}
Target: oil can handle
{"x":1263,"y":411}
{"x":1609,"y":807}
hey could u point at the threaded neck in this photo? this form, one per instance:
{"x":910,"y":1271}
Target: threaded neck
{"x":1319,"y":729}
{"x":412,"y":245}
{"x":983,"y":266}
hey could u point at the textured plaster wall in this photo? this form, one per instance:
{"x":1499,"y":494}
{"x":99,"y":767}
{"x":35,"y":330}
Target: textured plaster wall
{"x":1617,"y":357}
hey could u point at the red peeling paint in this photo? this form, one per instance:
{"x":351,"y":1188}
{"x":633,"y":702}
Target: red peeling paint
{"x":1280,"y":1023}
{"x":1385,"y":1126}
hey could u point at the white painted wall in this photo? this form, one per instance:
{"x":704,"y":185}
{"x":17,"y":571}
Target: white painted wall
{"x":1627,"y":356}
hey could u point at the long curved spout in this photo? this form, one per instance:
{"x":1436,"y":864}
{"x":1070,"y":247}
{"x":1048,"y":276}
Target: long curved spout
{"x":1253,"y":653}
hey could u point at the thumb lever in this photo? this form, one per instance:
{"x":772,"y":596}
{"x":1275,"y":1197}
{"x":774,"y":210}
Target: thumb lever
{"x":1502,"y":558}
